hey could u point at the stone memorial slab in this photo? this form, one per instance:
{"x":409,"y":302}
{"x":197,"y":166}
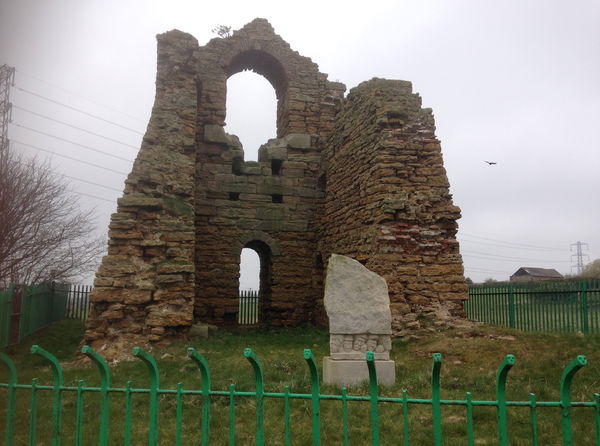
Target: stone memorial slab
{"x":358,"y":307}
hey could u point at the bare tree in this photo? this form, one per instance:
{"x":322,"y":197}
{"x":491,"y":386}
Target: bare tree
{"x":44,"y":235}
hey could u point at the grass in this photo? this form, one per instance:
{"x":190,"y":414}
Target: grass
{"x":471,"y":357}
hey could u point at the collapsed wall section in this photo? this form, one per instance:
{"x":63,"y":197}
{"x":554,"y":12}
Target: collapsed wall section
{"x":144,"y":288}
{"x":388,"y":203}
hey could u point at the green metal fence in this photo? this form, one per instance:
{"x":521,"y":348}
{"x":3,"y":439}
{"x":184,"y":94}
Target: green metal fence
{"x":40,"y":306}
{"x":26,"y":309}
{"x":6,"y":307}
{"x":564,"y":307}
{"x":211,"y":399}
{"x":248,"y":309}
{"x":78,"y":302}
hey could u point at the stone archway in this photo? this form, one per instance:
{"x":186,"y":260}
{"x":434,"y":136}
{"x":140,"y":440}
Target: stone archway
{"x":265,"y":256}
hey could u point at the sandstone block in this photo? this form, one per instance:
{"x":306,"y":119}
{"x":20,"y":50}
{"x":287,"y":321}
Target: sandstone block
{"x":141,"y":201}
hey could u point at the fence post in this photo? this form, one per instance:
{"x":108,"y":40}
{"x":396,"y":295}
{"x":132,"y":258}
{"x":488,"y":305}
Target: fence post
{"x":205,"y":377}
{"x":315,"y":395}
{"x":154,"y":385}
{"x":374,"y":399}
{"x":104,"y":371}
{"x":58,"y":384}
{"x":260,"y":390}
{"x":27,"y":293}
{"x":565,"y":397}
{"x":6,"y":308}
{"x":584,"y":307}
{"x":436,"y":398}
{"x":511,"y":306}
{"x":11,"y":399}
{"x":507,"y":364}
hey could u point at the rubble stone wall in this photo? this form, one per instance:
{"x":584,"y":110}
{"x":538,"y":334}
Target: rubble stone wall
{"x":144,"y":287}
{"x":388,"y":204}
{"x":269,"y":205}
{"x":360,"y":176}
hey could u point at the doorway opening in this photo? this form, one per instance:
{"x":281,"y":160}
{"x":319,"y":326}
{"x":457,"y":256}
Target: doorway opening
{"x":255,"y":282}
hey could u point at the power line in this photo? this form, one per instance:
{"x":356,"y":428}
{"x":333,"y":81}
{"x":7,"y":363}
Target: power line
{"x":92,"y":183}
{"x":499,"y":257}
{"x":79,"y":96}
{"x":75,"y":127}
{"x":510,"y":244}
{"x":91,"y":196}
{"x":68,"y":157}
{"x":77,"y":110}
{"x":484,"y":270}
{"x":74,"y":143}
{"x":499,"y":245}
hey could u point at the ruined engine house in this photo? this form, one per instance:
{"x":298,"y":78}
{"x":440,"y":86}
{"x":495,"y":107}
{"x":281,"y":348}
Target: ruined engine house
{"x":359,"y":175}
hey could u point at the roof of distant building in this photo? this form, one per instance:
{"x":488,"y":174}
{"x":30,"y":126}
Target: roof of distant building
{"x":538,"y":272}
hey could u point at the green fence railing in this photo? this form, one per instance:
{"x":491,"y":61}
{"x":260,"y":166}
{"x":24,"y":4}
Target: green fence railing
{"x":6,"y":308}
{"x":564,"y":307}
{"x":41,"y":305}
{"x":26,"y":309}
{"x":248,"y":308}
{"x":218,"y":429}
{"x":78,"y":302}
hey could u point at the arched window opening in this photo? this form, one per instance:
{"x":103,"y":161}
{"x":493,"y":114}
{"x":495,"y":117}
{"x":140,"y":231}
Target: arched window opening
{"x":251,"y":111}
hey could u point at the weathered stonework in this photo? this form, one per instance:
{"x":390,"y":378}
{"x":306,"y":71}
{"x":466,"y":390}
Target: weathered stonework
{"x":387,"y":202}
{"x":360,"y":176}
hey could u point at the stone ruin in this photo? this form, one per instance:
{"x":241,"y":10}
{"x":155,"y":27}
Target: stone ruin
{"x":359,"y":175}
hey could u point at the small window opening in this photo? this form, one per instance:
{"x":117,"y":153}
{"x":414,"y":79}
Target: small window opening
{"x":276,"y":167}
{"x":277,"y":198}
{"x":234,"y":196}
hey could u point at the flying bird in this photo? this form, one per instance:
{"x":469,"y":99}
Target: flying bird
{"x":491,"y":163}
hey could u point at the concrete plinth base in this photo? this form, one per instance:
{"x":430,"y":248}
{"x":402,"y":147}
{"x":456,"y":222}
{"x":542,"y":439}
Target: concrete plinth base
{"x":348,"y":372}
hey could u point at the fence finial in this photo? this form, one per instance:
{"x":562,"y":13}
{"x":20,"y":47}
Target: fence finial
{"x":565,"y":397}
{"x":104,"y":385}
{"x":315,"y":391}
{"x":260,"y":388}
{"x":58,"y":383}
{"x":436,"y":406}
{"x":205,"y":378}
{"x":154,"y":384}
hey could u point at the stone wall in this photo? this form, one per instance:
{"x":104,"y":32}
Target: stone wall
{"x":144,"y":286}
{"x":387,"y":200}
{"x":360,"y":176}
{"x":269,"y":205}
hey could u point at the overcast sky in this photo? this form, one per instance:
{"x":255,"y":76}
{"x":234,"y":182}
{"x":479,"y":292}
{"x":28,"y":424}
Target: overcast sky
{"x":515,"y":82}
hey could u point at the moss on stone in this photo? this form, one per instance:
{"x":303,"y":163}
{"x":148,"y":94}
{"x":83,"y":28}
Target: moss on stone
{"x":177,"y":206}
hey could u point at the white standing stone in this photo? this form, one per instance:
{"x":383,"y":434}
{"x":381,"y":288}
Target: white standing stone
{"x":358,"y":306}
{"x":356,"y":299}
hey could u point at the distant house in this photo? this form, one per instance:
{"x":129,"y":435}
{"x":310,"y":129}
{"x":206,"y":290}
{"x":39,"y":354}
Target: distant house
{"x":528,"y":274}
